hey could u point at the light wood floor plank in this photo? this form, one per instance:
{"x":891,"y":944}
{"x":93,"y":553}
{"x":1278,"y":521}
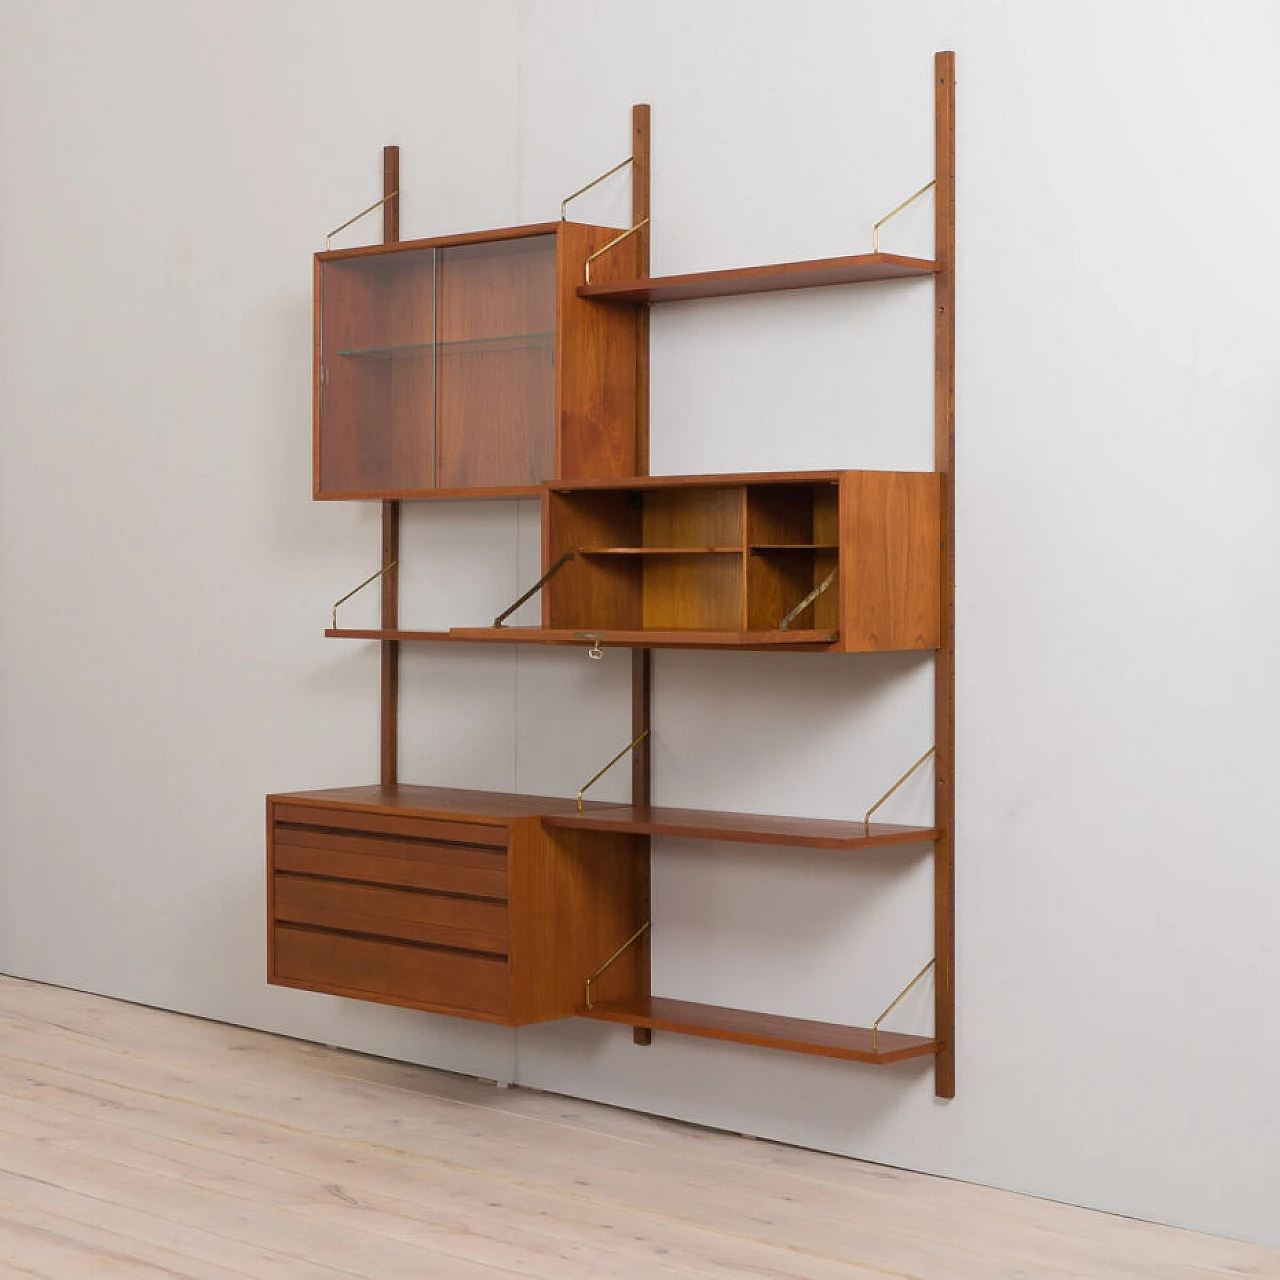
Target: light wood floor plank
{"x":183,"y":1147}
{"x":617,"y":1242}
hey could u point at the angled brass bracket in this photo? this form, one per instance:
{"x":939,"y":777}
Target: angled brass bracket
{"x":630,"y":231}
{"x":875,"y":1026}
{"x":809,"y":599}
{"x":533,"y":590}
{"x":386,"y":568}
{"x":893,"y":213}
{"x":377,"y":204}
{"x":595,"y":182}
{"x":630,"y":942}
{"x":597,"y":776}
{"x":866,"y":821}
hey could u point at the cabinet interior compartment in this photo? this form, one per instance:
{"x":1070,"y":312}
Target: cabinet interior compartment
{"x":793,"y":533}
{"x":376,"y":370}
{"x":660,"y":559}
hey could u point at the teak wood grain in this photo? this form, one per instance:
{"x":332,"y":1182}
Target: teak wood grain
{"x":890,"y":543}
{"x":769,"y":278}
{"x":466,"y":924}
{"x":389,"y":586}
{"x":496,"y":381}
{"x":944,"y":418}
{"x":370,"y":897}
{"x":795,"y":1035}
{"x":881,"y":529}
{"x":749,"y":828}
{"x":433,"y":979}
{"x":471,"y":365}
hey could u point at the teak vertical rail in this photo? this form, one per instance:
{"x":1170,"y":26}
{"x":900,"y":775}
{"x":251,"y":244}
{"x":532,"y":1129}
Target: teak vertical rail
{"x":642,"y":659}
{"x":388,"y":722}
{"x":944,"y":425}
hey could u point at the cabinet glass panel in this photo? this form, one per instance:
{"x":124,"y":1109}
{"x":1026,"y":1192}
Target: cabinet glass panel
{"x":377,"y":372}
{"x":496,"y":374}
{"x":437,"y":368}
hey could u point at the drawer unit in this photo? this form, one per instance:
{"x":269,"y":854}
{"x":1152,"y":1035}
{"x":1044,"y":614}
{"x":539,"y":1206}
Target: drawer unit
{"x":407,"y":897}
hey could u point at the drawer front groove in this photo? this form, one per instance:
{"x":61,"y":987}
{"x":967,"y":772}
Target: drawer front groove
{"x":413,"y":828}
{"x":470,"y":924}
{"x":400,"y":972}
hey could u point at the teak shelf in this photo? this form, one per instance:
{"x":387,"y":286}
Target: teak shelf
{"x":514,"y":363}
{"x":796,"y":1035}
{"x":771,"y":278}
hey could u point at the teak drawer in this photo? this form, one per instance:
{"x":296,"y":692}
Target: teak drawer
{"x":411,"y":864}
{"x":469,"y":924}
{"x":394,"y":972}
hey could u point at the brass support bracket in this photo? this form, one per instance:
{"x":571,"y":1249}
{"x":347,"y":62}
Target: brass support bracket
{"x":386,"y":568}
{"x":596,"y":777}
{"x":875,"y":1026}
{"x":809,"y":599}
{"x":630,"y":231}
{"x":595,"y":182}
{"x":630,"y":942}
{"x":533,"y":590}
{"x":866,"y":821}
{"x":377,"y":204}
{"x":893,"y":213}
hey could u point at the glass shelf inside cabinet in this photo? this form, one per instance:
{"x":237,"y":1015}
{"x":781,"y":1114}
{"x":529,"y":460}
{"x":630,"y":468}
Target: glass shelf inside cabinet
{"x":417,"y":350}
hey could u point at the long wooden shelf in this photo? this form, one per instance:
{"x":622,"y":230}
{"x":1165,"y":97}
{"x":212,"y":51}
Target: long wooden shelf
{"x":813,"y":641}
{"x":771,"y":278}
{"x":749,"y":828}
{"x":445,"y":803}
{"x":796,"y":1035}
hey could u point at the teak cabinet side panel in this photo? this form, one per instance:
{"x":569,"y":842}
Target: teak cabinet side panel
{"x":575,"y":897}
{"x":596,"y":382}
{"x":890,"y":527}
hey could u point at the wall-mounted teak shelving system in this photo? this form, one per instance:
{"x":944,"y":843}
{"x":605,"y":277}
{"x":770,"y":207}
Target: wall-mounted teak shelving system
{"x":516,"y":363}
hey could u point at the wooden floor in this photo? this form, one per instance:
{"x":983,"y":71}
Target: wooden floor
{"x":135,"y":1142}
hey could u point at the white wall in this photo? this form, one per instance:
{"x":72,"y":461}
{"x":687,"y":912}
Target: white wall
{"x":168,"y":171}
{"x":164,"y":577}
{"x":1118,"y":573}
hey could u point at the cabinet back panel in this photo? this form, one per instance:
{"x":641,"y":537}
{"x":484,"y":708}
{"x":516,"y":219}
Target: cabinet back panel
{"x":777,"y":581}
{"x":693,"y":592}
{"x":502,"y":289}
{"x":496,"y":410}
{"x":495,"y":394}
{"x":780,"y":513}
{"x":597,"y":592}
{"x":693,"y":517}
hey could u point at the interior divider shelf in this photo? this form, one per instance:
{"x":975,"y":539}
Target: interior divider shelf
{"x":659,"y":551}
{"x":796,"y":1035}
{"x":411,"y":350}
{"x":747,"y":828}
{"x":772,"y":278}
